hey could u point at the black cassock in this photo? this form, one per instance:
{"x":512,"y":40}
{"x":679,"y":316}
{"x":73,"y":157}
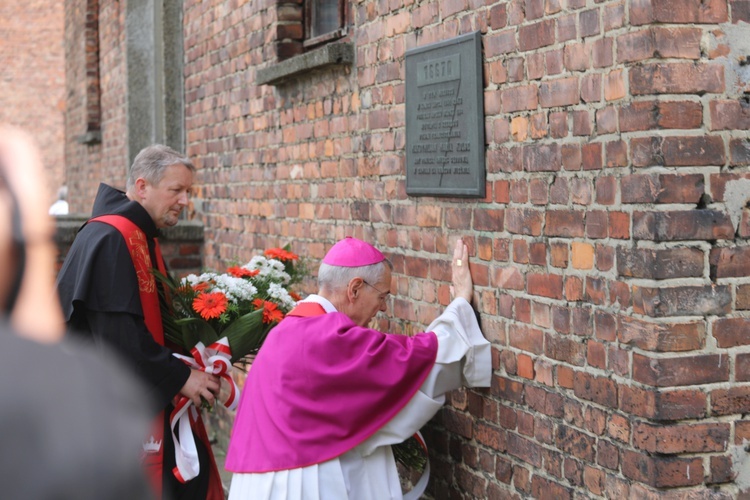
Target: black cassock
{"x":99,"y":294}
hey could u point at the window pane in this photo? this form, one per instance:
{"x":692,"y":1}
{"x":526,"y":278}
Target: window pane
{"x":325,"y":17}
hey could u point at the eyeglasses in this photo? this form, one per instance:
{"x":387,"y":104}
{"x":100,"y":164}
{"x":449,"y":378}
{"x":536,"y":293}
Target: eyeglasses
{"x":382,"y":295}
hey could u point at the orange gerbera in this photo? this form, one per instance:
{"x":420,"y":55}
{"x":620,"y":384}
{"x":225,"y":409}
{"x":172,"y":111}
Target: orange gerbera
{"x":271,"y":312}
{"x":241,"y":272}
{"x":210,"y":305}
{"x":280,"y":254}
{"x":200,"y":287}
{"x":295,"y":296}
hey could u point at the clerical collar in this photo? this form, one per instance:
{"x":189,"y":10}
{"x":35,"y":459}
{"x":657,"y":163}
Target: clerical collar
{"x":322,"y":301}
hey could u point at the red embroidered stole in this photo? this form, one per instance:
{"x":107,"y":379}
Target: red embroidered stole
{"x":137,"y":244}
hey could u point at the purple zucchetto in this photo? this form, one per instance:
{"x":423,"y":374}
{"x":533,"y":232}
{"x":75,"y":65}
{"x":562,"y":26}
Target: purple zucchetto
{"x":351,"y":252}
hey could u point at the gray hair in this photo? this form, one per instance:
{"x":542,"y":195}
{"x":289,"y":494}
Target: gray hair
{"x":152,"y":161}
{"x":336,"y":277}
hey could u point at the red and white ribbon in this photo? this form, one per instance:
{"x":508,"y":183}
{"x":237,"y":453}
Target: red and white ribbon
{"x":214,"y":359}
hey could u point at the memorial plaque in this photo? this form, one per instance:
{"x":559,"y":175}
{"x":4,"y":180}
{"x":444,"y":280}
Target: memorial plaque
{"x":445,"y":118}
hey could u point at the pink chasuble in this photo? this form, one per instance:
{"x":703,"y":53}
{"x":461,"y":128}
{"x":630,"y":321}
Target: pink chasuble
{"x":320,"y":386}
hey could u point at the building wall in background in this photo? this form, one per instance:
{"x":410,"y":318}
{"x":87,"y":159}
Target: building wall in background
{"x":610,"y":252}
{"x":32,"y":77}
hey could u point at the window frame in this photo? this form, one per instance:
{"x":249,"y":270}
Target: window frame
{"x":340,"y":32}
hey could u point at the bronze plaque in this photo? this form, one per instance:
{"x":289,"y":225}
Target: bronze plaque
{"x":445,"y":118}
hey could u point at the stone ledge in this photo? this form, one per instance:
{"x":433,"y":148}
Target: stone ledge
{"x":328,"y":55}
{"x":68,"y":225}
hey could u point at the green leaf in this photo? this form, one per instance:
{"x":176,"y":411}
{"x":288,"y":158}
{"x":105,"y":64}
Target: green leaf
{"x":196,"y":329}
{"x":246,"y":334}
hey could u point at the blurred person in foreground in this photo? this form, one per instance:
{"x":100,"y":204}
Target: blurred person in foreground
{"x":109,"y":294}
{"x":327,"y":396}
{"x":70,"y":423}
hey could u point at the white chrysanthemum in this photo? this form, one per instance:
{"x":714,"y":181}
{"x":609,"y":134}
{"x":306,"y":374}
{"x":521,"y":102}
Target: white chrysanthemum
{"x":192,"y":279}
{"x":269,"y":269}
{"x":256,"y":262}
{"x":279,"y":293}
{"x":236,"y":289}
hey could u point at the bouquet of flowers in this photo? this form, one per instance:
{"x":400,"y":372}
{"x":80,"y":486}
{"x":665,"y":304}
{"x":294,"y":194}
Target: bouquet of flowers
{"x":242,"y":304}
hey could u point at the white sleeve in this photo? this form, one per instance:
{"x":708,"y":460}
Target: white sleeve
{"x":463,"y":359}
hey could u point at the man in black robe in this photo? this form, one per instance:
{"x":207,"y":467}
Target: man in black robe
{"x":101,"y":291}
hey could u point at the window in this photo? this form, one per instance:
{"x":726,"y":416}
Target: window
{"x":324,"y":21}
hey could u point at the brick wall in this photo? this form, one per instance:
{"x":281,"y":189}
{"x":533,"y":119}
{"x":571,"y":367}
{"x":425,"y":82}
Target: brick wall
{"x":96,"y":84}
{"x":32,"y":77}
{"x":610,"y":252}
{"x":180,"y":245}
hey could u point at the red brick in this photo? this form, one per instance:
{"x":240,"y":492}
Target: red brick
{"x":566,"y":28}
{"x":677,"y":78}
{"x":605,"y":256}
{"x":580,"y":190}
{"x":682,"y":225}
{"x":690,"y":11}
{"x":635,"y":46}
{"x":662,"y":188}
{"x":524,"y":221}
{"x":657,"y":405}
{"x":616,"y":154}
{"x":731,"y":332}
{"x":564,"y":223}
{"x":662,"y":337}
{"x":591,"y":87}
{"x":576,"y":443}
{"x":607,"y":455}
{"x":553,"y":62}
{"x":596,"y":355}
{"x":541,"y":157}
{"x":597,"y":224}
{"x":662,"y":472}
{"x":571,"y":157}
{"x":537,"y":35}
{"x":597,"y":389}
{"x":545,"y":402}
{"x":729,"y":115}
{"x":679,"y":114}
{"x":500,"y":43}
{"x":678,"y":151}
{"x":588,"y":22}
{"x":682,"y":300}
{"x":740,"y":10}
{"x":606,"y":120}
{"x":613,"y":16}
{"x":739,"y":152}
{"x":729,"y":262}
{"x":730,"y":401}
{"x":582,"y":124}
{"x":660,"y":264}
{"x":544,"y":488}
{"x":679,"y":43}
{"x":681,"y":438}
{"x":559,"y":92}
{"x":520,"y":98}
{"x":525,"y":450}
{"x":602,"y":53}
{"x":577,"y":57}
{"x":525,"y":338}
{"x":573,"y":288}
{"x":606,"y":186}
{"x":565,"y":349}
{"x":679,"y":371}
{"x":721,"y":470}
{"x":545,"y":285}
{"x":488,"y":219}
